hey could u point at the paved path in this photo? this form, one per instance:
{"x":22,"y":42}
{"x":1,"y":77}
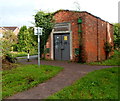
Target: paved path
{"x":71,"y":72}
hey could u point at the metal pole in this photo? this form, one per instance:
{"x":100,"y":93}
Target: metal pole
{"x":38,"y":49}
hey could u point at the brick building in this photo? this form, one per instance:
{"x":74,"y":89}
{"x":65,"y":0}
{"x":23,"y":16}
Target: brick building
{"x":78,"y":35}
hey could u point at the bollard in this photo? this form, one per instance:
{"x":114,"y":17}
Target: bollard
{"x":28,"y":57}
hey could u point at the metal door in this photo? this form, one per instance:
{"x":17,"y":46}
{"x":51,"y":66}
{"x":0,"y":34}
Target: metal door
{"x":62,"y":47}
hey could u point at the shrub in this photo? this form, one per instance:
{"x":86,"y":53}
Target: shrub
{"x":108,"y":48}
{"x":8,"y":39}
{"x":11,"y":58}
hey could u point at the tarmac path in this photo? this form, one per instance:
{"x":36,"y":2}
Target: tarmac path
{"x":71,"y":73}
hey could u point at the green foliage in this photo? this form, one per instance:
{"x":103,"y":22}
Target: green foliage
{"x":112,"y":61}
{"x":107,"y":47}
{"x":117,"y":35}
{"x":8,"y":39}
{"x":44,"y":20}
{"x":99,"y":84}
{"x":25,"y":77}
{"x":11,"y":58}
{"x":27,"y":40}
{"x":21,"y":38}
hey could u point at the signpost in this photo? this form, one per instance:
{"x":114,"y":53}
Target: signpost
{"x":38,"y":31}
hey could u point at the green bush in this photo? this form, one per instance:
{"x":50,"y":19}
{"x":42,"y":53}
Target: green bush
{"x":107,"y":47}
{"x":11,"y":58}
{"x":117,"y":35}
{"x":8,"y":39}
{"x":15,"y":47}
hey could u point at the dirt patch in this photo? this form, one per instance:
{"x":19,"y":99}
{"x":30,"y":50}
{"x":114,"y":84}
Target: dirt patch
{"x":6,"y":65}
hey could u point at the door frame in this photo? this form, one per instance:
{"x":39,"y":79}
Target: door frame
{"x":62,"y":32}
{"x":52,"y":43}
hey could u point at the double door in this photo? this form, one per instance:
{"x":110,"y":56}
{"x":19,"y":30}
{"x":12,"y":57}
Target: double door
{"x":62,"y":47}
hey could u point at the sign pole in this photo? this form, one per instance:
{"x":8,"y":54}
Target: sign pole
{"x":38,"y":49}
{"x":38,"y":31}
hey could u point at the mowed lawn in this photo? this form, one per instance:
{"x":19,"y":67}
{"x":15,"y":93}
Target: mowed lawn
{"x":99,"y":84}
{"x":26,"y":76}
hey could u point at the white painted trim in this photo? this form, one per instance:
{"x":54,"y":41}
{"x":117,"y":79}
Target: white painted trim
{"x":57,"y":32}
{"x":52,"y":39}
{"x":52,"y":51}
{"x":71,"y":48}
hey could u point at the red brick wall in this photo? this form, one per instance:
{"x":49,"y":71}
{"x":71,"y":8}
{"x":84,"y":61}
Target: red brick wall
{"x":94,"y":34}
{"x":95,"y":37}
{"x":90,"y":38}
{"x":101,"y":39}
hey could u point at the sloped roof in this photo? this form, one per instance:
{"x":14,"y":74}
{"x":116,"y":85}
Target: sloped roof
{"x":10,"y":28}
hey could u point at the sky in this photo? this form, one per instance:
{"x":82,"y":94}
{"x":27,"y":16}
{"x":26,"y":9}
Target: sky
{"x":20,"y":12}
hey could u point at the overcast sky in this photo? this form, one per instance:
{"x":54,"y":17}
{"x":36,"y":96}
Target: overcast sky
{"x":20,"y":12}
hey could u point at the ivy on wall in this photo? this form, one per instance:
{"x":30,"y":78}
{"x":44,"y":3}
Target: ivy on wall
{"x":45,"y":21}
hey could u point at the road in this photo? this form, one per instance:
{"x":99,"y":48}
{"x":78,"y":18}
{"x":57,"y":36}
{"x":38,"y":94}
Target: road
{"x":31,"y":57}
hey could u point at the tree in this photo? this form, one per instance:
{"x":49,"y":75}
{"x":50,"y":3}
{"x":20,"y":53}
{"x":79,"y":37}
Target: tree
{"x":117,"y":35}
{"x":21,"y":38}
{"x":27,"y":40}
{"x":8,"y":39}
{"x":44,"y":20}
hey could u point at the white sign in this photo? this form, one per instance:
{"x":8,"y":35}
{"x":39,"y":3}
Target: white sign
{"x":38,"y":31}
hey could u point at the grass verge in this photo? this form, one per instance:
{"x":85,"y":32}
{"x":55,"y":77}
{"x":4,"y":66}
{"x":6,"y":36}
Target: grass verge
{"x":20,"y":54}
{"x":99,"y":84}
{"x":26,"y":76}
{"x":113,"y":61}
